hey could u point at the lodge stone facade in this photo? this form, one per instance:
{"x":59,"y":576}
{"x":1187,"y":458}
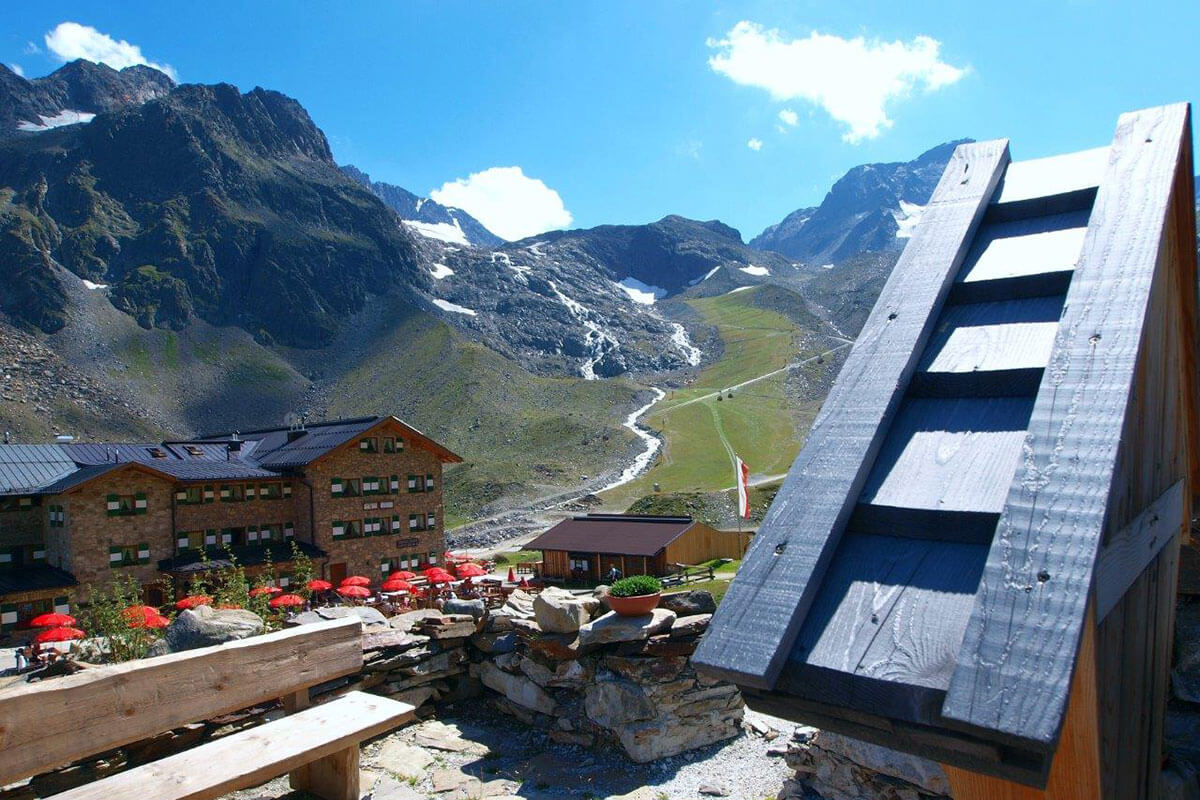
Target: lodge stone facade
{"x":359,"y":497}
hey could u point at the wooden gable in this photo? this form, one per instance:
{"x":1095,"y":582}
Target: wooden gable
{"x":1002,"y":468}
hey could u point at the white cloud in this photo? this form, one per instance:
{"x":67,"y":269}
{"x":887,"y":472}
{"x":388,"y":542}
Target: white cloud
{"x":31,"y":48}
{"x":15,"y":67}
{"x":789,"y":117}
{"x":509,"y":203}
{"x":854,"y":80}
{"x":70,"y":40}
{"x":754,"y":144}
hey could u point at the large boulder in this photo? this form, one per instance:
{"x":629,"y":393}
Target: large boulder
{"x":473,"y":608}
{"x":689,"y":603}
{"x":517,"y":688}
{"x":614,"y":628}
{"x":614,"y":704}
{"x":204,"y":626}
{"x":370,"y":617}
{"x":559,"y":611}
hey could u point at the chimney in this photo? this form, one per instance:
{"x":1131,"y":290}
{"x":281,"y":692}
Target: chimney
{"x":233,"y":446}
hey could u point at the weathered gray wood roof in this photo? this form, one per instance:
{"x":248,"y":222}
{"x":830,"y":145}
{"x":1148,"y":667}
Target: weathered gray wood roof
{"x":931,"y":554}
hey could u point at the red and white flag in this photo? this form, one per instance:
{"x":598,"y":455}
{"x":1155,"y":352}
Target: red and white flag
{"x":743,"y":488}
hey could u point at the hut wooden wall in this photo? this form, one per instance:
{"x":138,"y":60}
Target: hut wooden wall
{"x":702,"y":543}
{"x":1159,"y":448}
{"x":555,"y":564}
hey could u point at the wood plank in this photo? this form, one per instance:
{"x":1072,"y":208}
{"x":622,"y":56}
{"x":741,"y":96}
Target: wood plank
{"x":1042,"y":284}
{"x":997,"y":383}
{"x":994,"y":336}
{"x":892,"y":609}
{"x":1075,"y":770}
{"x":1039,"y":178}
{"x":334,"y":777}
{"x":1025,"y":247}
{"x":53,"y":723}
{"x":256,"y":755}
{"x":951,"y":455}
{"x":1014,"y":669}
{"x":760,"y":617}
{"x":964,"y":527}
{"x":1136,"y":546}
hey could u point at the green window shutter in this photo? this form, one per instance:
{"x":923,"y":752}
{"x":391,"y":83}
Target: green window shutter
{"x":62,"y":605}
{"x":209,"y":494}
{"x":336,"y":487}
{"x":143,"y":555}
{"x":8,"y":616}
{"x":429,"y":487}
{"x":114,"y":505}
{"x":139,"y":503}
{"x":287,"y":490}
{"x":394,"y":484}
{"x":412,"y":483}
{"x":116,"y":557}
{"x":339,"y":529}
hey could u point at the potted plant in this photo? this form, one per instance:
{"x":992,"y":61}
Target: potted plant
{"x":635,"y":595}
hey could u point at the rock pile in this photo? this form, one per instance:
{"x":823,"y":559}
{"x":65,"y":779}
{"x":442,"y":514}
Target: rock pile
{"x":563,"y":663}
{"x":837,"y":766}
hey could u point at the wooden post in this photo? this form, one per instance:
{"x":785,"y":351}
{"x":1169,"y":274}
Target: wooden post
{"x":296,"y":701}
{"x":334,"y":777}
{"x":1075,"y":771}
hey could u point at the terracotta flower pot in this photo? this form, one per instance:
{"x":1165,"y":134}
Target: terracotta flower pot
{"x":634,"y":606}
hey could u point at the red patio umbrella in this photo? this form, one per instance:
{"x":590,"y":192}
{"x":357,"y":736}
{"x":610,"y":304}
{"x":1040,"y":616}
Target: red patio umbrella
{"x":261,"y":590}
{"x":52,"y":620}
{"x":286,"y":600}
{"x":193,"y":600}
{"x":435,"y":571}
{"x":512,"y":576}
{"x":403,"y":575}
{"x":59,"y":634}
{"x":354,"y":591}
{"x":440,"y":577}
{"x":470,"y":571}
{"x":319,"y":585}
{"x":356,"y":580}
{"x":396,"y":585}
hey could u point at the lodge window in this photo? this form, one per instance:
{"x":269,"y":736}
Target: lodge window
{"x":579,"y":563}
{"x":18,"y":503}
{"x":433,"y":557}
{"x":128,"y":555}
{"x":190,"y":540}
{"x":396,"y":527}
{"x":372,"y":526}
{"x":353,"y":487}
{"x":190,"y":495}
{"x":57,"y":517}
{"x":234,"y":537}
{"x":429,"y":485}
{"x":414,"y":522}
{"x":22,"y":555}
{"x":389,"y":444}
{"x":233,"y":493}
{"x":416,"y":483}
{"x":17,"y":616}
{"x":125,"y":505}
{"x":372,"y":484}
{"x":411,"y":560}
{"x":430,"y":520}
{"x":270,"y":491}
{"x":347,"y":529}
{"x":368,"y":445}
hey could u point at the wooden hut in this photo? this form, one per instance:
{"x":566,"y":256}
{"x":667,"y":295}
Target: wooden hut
{"x":974,"y":557}
{"x":586,"y":548}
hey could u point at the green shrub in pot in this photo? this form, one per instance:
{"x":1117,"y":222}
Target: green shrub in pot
{"x":635,"y":586}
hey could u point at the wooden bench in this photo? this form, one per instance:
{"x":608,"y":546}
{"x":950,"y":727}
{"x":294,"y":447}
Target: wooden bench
{"x":48,"y":725}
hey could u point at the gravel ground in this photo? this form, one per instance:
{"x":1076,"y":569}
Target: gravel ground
{"x":508,"y":759}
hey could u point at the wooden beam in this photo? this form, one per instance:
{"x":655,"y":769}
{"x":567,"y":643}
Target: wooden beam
{"x":256,"y":755}
{"x":52,"y":723}
{"x":965,"y":527}
{"x":333,"y":777}
{"x":1075,"y":770}
{"x":1016,"y":661}
{"x":1139,"y":543}
{"x":760,"y":617}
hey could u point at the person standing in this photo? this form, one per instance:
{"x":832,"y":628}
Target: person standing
{"x":22,"y":661}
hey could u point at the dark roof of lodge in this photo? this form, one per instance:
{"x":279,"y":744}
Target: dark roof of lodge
{"x":261,"y":454}
{"x":628,"y":534}
{"x":25,"y":467}
{"x":246,"y":556}
{"x":34,"y":577}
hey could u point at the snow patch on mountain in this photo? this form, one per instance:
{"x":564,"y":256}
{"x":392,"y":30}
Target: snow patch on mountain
{"x":758,"y":272}
{"x":439,"y":271}
{"x":907,"y":217}
{"x":446,"y":305}
{"x":442,"y":231}
{"x":739,"y":289}
{"x":641,"y":293}
{"x":706,"y":276}
{"x":94,"y":286}
{"x":66,"y":117}
{"x":679,"y":337}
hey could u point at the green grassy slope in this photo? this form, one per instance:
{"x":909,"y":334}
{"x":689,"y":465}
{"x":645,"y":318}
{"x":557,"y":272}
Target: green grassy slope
{"x":522,"y":435}
{"x":763,"y":329}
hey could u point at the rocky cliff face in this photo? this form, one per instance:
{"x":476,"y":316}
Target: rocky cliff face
{"x":205,"y":202}
{"x":873,"y":207}
{"x":428,"y":217}
{"x":74,"y":93}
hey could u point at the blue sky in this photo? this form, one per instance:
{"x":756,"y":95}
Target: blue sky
{"x":628,"y":111}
